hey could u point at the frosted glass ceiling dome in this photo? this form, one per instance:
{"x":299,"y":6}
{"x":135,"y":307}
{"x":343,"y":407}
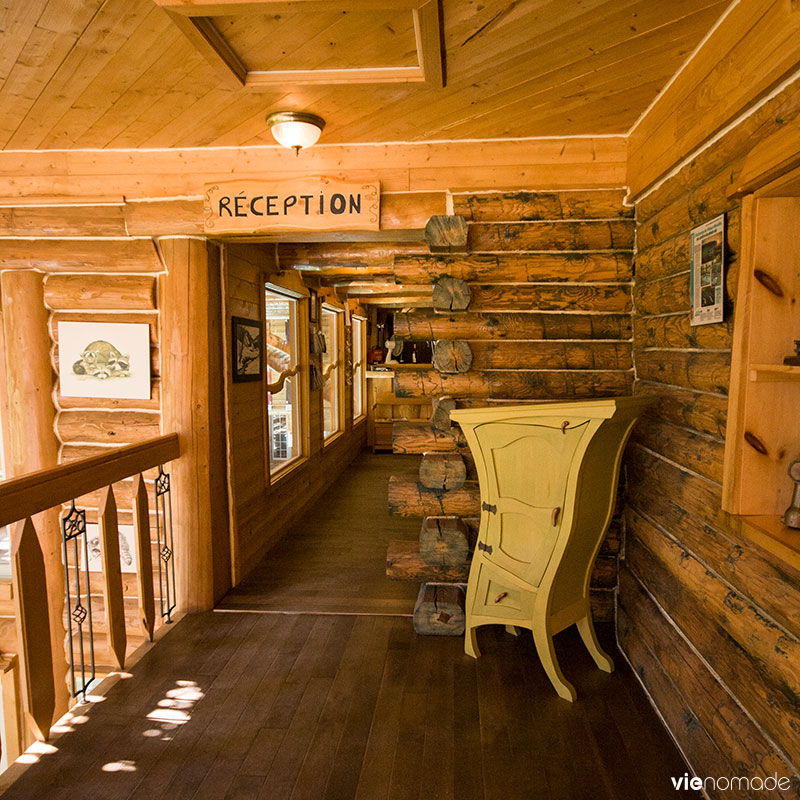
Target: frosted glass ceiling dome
{"x":295,"y":129}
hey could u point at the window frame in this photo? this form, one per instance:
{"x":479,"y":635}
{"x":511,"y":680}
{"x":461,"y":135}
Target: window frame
{"x":334,"y":371}
{"x":358,"y":366}
{"x":298,"y":294}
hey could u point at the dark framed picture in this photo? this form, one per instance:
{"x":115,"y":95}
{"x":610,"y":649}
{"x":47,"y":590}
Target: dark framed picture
{"x":313,"y":306}
{"x":247,"y":349}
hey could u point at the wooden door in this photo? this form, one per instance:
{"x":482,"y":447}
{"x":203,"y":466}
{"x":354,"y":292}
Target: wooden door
{"x":526,"y":474}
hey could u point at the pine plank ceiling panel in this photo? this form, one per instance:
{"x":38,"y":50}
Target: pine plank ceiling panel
{"x":123,"y":74}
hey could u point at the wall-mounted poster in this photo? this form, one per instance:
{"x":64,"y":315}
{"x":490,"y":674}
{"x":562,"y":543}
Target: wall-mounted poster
{"x":246,"y":349}
{"x":104,"y":359}
{"x":707,"y":273}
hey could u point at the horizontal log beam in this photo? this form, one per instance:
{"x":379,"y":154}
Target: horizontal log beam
{"x":736,"y":738}
{"x":612,"y":298}
{"x":339,"y":254}
{"x":520,"y":384}
{"x":109,"y":427}
{"x":100,"y":220}
{"x":404,"y":563}
{"x":444,"y":471}
{"x":409,"y":436}
{"x":513,"y":267}
{"x":704,"y":371}
{"x":530,"y":206}
{"x":409,"y":498}
{"x":425,"y":324}
{"x":549,"y":235}
{"x":71,"y":255}
{"x":106,"y":292}
{"x":550,"y":355}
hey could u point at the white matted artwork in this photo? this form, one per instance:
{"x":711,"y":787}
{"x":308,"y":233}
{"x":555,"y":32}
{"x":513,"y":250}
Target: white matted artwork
{"x":127,"y":548}
{"x":104,"y":359}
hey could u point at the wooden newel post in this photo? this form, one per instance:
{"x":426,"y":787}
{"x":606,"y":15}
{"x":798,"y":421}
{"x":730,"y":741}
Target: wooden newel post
{"x":192,"y":398}
{"x":33,"y":444}
{"x":33,"y":616}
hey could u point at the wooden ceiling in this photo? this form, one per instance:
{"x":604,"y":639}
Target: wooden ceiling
{"x":122,"y":74}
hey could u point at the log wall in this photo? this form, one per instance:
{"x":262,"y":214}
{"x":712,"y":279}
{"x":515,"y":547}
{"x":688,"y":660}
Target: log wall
{"x":549,"y":274}
{"x":706,"y":617}
{"x":263,"y":510}
{"x":89,"y":280}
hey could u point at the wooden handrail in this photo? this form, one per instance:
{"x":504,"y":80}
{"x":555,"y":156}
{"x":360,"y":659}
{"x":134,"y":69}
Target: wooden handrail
{"x":37,"y":491}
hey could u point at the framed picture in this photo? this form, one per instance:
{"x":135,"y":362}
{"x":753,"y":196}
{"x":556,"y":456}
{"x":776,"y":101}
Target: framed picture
{"x":104,"y":359}
{"x":707,"y":276}
{"x":247,"y":349}
{"x":313,"y":306}
{"x":127,"y":548}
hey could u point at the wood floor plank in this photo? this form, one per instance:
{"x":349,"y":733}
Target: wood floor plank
{"x":349,"y":757}
{"x":319,"y":706}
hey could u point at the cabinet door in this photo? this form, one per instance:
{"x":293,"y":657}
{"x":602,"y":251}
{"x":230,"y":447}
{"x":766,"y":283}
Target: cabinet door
{"x":527,"y":466}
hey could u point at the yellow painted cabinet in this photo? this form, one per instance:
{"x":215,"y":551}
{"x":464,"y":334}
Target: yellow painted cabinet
{"x":548,"y":478}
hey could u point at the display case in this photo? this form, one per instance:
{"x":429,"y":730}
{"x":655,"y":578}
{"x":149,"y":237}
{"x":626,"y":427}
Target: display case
{"x":763,"y":427}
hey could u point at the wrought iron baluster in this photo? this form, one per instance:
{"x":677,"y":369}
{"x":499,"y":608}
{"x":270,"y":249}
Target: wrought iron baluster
{"x":73,"y":526}
{"x":166,"y":562}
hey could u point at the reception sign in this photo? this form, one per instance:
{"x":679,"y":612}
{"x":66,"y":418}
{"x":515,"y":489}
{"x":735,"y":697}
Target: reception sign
{"x":320,"y":204}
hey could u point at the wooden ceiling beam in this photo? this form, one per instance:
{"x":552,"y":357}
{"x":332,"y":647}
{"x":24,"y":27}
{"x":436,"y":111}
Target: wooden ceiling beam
{"x":428,"y":33}
{"x":195,"y":20}
{"x":211,"y":44}
{"x":228,"y":8}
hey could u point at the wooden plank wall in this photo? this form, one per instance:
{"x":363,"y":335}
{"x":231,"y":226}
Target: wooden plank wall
{"x":550,"y":277}
{"x":707,"y":618}
{"x":262,"y":513}
{"x":753,"y":49}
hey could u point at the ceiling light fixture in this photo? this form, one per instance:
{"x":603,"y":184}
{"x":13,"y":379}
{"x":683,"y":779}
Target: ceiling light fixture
{"x":295,"y":129}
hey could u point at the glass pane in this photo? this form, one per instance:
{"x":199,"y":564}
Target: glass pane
{"x":5,"y":531}
{"x":283,"y":406}
{"x":358,"y":366}
{"x":330,"y":392}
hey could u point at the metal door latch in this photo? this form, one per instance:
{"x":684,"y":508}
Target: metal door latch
{"x":487,"y":548}
{"x":486,"y":507}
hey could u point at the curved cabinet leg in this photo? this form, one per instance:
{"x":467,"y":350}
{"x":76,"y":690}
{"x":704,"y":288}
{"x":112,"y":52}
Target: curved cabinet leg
{"x":601,"y":658}
{"x":471,"y":642}
{"x":547,"y":655}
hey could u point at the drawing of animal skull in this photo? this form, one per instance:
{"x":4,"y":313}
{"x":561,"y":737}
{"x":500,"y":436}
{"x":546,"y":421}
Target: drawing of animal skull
{"x":102,"y":360}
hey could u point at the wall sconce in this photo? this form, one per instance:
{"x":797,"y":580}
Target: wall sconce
{"x":295,"y":129}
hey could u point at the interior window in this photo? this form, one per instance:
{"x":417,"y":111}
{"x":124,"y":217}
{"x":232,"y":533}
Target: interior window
{"x":332,"y":324}
{"x":359,"y":365}
{"x":284,"y":396}
{"x":5,"y":531}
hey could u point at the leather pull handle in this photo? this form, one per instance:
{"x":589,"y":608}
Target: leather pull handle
{"x":556,"y":513}
{"x":768,"y":282}
{"x":500,"y":596}
{"x":756,"y":443}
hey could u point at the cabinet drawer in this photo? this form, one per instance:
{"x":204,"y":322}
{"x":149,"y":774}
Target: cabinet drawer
{"x":495,"y":597}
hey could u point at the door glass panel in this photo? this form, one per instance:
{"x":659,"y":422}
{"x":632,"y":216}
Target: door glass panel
{"x":285,"y":436}
{"x":331,"y":324}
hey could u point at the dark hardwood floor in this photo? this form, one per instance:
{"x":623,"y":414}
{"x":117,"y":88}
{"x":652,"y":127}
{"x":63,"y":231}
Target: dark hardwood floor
{"x":335,"y":706}
{"x":332,"y":561}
